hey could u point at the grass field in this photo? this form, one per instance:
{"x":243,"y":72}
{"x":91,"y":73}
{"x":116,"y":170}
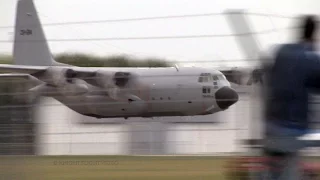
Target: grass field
{"x":117,"y":167}
{"x":113,"y":167}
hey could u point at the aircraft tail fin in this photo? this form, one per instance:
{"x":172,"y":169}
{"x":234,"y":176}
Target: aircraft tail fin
{"x":240,"y":25}
{"x":30,"y":44}
{"x":249,"y":44}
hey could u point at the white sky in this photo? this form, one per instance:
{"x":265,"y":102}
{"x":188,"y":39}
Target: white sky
{"x":203,"y":49}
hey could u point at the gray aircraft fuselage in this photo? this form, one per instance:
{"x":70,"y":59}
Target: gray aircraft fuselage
{"x":163,"y":92}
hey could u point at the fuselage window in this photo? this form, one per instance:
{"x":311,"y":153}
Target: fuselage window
{"x":215,"y":78}
{"x":206,"y":90}
{"x":222,"y":77}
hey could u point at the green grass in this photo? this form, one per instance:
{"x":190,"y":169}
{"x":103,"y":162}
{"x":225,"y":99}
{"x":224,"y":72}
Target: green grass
{"x":118,"y":167}
{"x":114,"y":167}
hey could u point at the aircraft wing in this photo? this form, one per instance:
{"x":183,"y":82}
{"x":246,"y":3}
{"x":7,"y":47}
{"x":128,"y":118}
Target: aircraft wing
{"x":26,"y":80}
{"x":33,"y":70}
{"x":15,"y":76}
{"x":90,"y":75}
{"x":110,"y":79}
{"x":8,"y":68}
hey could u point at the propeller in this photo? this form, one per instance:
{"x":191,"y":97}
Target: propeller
{"x":70,"y":74}
{"x":256,"y":77}
{"x":245,"y":76}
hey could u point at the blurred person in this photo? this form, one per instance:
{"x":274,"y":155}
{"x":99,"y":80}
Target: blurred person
{"x":295,"y":71}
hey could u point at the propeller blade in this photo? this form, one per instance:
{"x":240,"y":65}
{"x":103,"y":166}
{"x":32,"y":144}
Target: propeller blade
{"x":256,"y":77}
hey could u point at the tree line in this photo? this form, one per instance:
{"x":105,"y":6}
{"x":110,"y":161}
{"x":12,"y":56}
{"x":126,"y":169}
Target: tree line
{"x":87,"y":60}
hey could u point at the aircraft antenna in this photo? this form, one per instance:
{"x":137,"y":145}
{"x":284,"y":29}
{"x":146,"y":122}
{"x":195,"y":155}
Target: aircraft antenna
{"x":177,"y":67}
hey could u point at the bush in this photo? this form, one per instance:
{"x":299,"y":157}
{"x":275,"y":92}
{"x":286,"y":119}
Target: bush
{"x":236,"y":169}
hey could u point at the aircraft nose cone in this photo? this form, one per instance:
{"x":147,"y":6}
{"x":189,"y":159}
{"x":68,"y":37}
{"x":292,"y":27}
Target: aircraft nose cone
{"x":226,"y":97}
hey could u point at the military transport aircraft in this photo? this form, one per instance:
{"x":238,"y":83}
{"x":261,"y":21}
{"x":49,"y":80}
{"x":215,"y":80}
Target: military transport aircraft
{"x":113,"y":92}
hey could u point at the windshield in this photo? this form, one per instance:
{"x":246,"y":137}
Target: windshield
{"x":205,"y":77}
{"x":215,"y":77}
{"x":221,"y":77}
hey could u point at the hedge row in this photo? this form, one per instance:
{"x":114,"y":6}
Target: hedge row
{"x":86,"y":60}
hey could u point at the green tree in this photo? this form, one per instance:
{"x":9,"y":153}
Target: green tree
{"x":86,"y":60}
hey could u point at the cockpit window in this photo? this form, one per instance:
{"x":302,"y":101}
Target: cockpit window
{"x":218,"y":77}
{"x":215,"y":78}
{"x":222,"y":77}
{"x":200,"y":79}
{"x":205,"y":77}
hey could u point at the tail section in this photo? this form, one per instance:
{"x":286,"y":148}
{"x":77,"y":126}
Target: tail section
{"x":240,"y":25}
{"x":30,"y":44}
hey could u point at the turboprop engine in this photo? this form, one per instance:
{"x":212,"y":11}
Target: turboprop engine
{"x":109,"y":79}
{"x":60,"y":80}
{"x":118,"y":85}
{"x":58,"y":76}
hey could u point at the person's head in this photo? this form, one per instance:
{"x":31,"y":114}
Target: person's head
{"x":309,"y":29}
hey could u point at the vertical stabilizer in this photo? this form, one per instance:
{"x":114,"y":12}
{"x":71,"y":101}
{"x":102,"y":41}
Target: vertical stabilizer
{"x":30,"y":44}
{"x":240,"y":25}
{"x":248,"y":43}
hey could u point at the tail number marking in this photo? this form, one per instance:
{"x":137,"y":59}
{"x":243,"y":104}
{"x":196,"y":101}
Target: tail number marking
{"x":26,"y":32}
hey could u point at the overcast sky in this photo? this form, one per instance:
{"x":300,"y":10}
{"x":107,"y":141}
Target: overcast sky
{"x":201,"y":49}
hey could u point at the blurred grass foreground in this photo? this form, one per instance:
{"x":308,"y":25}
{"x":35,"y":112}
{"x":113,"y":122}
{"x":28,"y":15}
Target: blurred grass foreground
{"x":87,"y":60}
{"x":125,"y":167}
{"x":113,"y":167}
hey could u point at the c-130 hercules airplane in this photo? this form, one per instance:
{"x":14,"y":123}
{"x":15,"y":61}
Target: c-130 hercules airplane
{"x":113,"y":92}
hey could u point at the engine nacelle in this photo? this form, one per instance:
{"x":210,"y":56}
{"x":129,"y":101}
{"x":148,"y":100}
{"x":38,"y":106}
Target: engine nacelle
{"x":115,"y":83}
{"x":58,"y":76}
{"x":109,"y":79}
{"x":104,"y":79}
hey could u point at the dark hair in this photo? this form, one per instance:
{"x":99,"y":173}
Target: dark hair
{"x":309,"y":27}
